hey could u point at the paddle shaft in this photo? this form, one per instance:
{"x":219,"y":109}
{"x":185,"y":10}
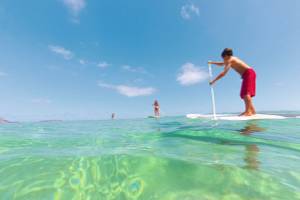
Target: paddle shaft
{"x":212,"y":93}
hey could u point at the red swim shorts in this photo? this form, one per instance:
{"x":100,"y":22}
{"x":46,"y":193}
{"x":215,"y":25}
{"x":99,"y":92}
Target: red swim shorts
{"x":249,"y":83}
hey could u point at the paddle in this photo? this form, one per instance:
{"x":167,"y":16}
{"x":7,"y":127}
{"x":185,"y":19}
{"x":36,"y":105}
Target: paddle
{"x":212,"y":92}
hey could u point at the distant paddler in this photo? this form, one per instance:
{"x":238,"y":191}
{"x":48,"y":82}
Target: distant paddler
{"x":156,"y":108}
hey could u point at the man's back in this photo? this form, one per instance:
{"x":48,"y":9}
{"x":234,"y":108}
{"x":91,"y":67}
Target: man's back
{"x":238,"y":65}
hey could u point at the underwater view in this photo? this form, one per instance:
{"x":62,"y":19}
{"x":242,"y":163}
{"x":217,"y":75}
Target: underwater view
{"x":168,"y":158}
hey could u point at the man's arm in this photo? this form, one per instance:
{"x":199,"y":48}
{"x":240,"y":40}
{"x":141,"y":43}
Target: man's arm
{"x":221,"y":75}
{"x":216,"y":63}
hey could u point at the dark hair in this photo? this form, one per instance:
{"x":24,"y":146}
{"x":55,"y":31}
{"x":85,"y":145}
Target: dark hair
{"x":227,"y":52}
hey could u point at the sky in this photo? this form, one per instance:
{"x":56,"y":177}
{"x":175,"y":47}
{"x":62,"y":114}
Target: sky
{"x":85,"y":59}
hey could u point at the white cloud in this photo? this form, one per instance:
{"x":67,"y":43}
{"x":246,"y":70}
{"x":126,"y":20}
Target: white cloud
{"x":75,"y":6}
{"x":67,"y":54}
{"x":81,"y":61}
{"x":2,"y":74}
{"x":41,"y":101}
{"x":103,"y":64}
{"x":134,"y":69}
{"x":191,"y":74}
{"x":105,"y":85}
{"x":135,"y":91}
{"x":129,"y":91}
{"x":188,"y":10}
{"x":138,"y":80}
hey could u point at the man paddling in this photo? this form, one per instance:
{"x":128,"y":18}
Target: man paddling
{"x":247,"y":73}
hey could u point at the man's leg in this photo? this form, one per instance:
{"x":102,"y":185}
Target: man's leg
{"x":250,"y":110}
{"x":246,"y":106}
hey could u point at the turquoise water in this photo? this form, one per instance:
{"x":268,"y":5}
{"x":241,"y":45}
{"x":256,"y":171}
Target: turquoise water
{"x":171,"y":158}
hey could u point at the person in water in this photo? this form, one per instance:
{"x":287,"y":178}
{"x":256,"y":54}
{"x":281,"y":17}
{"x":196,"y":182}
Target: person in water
{"x":247,"y":73}
{"x":156,"y":108}
{"x":113,"y":116}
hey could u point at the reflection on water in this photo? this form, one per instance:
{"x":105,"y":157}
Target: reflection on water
{"x":251,"y":156}
{"x":251,"y":127}
{"x":252,"y":150}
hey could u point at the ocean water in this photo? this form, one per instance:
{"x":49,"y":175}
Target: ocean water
{"x":173,"y":158}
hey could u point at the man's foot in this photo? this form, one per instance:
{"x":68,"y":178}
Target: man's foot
{"x":247,"y":114}
{"x":242,"y":114}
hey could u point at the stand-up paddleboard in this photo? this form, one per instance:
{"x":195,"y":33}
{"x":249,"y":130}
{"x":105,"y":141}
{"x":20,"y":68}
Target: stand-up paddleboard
{"x":253,"y":117}
{"x":236,"y":117}
{"x":202,"y":116}
{"x":153,"y":116}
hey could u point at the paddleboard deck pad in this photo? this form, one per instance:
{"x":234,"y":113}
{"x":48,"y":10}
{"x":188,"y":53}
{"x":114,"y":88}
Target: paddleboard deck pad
{"x":235,"y":117}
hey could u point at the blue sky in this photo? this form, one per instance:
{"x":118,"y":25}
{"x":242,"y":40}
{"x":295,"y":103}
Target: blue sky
{"x":84,"y":59}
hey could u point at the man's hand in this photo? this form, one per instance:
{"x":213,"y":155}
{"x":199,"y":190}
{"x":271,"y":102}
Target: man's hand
{"x":212,"y":82}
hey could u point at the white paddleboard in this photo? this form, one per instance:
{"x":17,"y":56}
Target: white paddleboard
{"x":201,"y":116}
{"x":253,"y":117}
{"x":235,"y":117}
{"x":153,"y":117}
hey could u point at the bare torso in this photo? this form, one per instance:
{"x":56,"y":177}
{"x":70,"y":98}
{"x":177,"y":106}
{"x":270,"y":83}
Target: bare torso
{"x":156,"y":106}
{"x":238,"y":65}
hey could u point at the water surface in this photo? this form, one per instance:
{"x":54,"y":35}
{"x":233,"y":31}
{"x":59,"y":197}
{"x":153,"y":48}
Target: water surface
{"x":170,"y":158}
